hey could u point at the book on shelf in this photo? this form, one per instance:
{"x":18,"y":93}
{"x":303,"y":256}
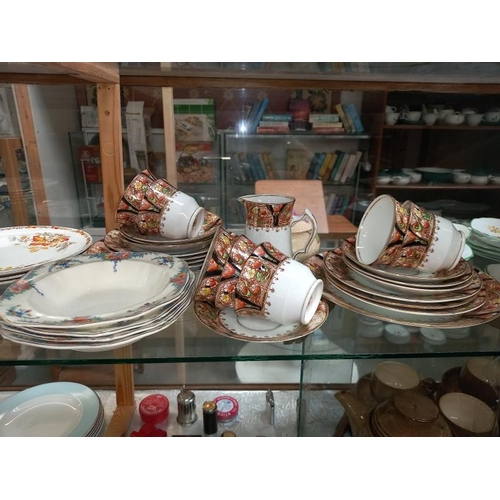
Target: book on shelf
{"x":315,"y":165}
{"x":258,"y":115}
{"x":355,"y":118}
{"x":251,"y":116}
{"x":272,"y":130}
{"x":348,"y":168}
{"x":316,"y":125}
{"x":349,"y":119}
{"x":266,"y":157}
{"x":324,"y":117}
{"x":299,"y":108}
{"x":276,"y":117}
{"x":324,"y":166}
{"x":329,"y":168}
{"x":343,"y":118}
{"x":358,"y":155}
{"x":329,"y":130}
{"x":339,"y":168}
{"x":297,"y":163}
{"x":258,"y":168}
{"x":338,"y":158}
{"x":273,"y":124}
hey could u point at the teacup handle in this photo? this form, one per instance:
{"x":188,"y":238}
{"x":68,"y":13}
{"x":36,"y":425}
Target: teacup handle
{"x":314,"y":232}
{"x":403,"y":116}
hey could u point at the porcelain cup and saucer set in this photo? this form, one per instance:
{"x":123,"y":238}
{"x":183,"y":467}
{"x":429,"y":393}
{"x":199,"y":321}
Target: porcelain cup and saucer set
{"x":253,"y":288}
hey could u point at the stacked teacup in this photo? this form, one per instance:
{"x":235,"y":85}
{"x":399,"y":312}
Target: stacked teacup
{"x":406,"y":235}
{"x":156,"y":207}
{"x":154,"y":216}
{"x":263,"y":286}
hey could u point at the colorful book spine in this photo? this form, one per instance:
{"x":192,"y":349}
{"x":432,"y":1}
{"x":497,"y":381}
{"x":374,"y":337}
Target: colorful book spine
{"x":276,"y":117}
{"x":324,"y":117}
{"x":329,"y":130}
{"x":276,"y":123}
{"x":355,"y":118}
{"x":324,"y":166}
{"x":338,"y":162}
{"x":315,"y":165}
{"x":347,"y":113}
{"x":343,"y":117}
{"x":269,"y":166}
{"x":329,"y":168}
{"x":316,"y":125}
{"x":272,"y":130}
{"x":260,"y":111}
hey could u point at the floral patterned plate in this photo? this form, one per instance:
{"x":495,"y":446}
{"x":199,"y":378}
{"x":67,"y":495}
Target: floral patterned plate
{"x":212,"y":318}
{"x":23,"y":248}
{"x":93,"y":288}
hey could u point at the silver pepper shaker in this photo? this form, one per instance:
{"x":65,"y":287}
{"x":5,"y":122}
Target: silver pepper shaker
{"x":186,"y":407}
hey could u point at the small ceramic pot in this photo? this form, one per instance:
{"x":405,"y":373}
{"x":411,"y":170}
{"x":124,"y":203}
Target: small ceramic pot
{"x":430,"y":118}
{"x":461,"y":177}
{"x":455,"y":118}
{"x":492,"y":116}
{"x":401,"y":179}
{"x":415,"y":177}
{"x":392,"y":117}
{"x":495,"y":179}
{"x":474,"y":119}
{"x":411,"y":116}
{"x":479,"y":179}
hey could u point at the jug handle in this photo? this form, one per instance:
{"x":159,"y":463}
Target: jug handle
{"x":314,"y":231}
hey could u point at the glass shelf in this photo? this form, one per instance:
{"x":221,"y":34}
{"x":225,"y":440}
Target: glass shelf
{"x":188,"y":341}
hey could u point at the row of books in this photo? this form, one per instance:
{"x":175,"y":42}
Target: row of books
{"x":339,"y":204}
{"x":338,"y":166}
{"x":252,"y":166}
{"x":350,"y":118}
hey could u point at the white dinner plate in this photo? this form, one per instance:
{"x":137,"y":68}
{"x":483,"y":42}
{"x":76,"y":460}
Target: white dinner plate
{"x":57,"y":409}
{"x":23,"y":248}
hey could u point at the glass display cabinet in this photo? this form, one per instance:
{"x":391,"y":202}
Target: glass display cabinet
{"x":303,"y":376}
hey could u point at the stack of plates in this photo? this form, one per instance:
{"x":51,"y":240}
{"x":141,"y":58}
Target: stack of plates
{"x":456,"y":298}
{"x":23,"y":248}
{"x":484,"y":238}
{"x":96,"y":302}
{"x":58,"y":409}
{"x":193,"y":251}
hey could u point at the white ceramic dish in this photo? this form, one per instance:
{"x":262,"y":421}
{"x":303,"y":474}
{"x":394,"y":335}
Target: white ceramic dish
{"x":58,"y":409}
{"x":486,"y":226}
{"x":408,"y":275}
{"x":23,"y":248}
{"x":408,"y":289}
{"x":67,"y":292}
{"x":487,"y":242}
{"x":337,"y":295}
{"x":338,"y":271}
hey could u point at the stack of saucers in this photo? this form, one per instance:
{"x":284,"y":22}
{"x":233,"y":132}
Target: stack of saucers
{"x":96,"y":302}
{"x":23,"y":248}
{"x":57,"y":409}
{"x":193,"y":250}
{"x":459,"y":297}
{"x":484,"y":238}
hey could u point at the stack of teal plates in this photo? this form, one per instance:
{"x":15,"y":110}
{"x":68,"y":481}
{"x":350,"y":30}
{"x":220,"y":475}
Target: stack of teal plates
{"x":57,"y":409}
